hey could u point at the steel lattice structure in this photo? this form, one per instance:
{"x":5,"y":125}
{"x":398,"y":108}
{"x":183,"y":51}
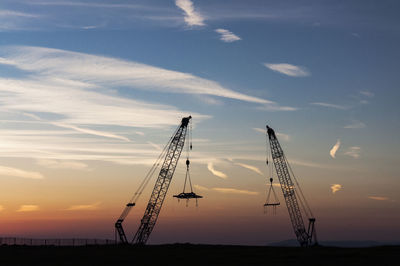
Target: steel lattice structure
{"x":289,"y":192}
{"x":172,"y":152}
{"x":162,"y":184}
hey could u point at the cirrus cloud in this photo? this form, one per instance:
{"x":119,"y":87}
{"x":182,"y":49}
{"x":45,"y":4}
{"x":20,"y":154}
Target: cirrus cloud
{"x":334,"y":149}
{"x":227,"y":36}
{"x":28,"y":208}
{"x":192,"y":17}
{"x":234,"y":191}
{"x":84,"y":207}
{"x":15,"y":172}
{"x":288,"y":69}
{"x":380,"y":198}
{"x":210,"y":167}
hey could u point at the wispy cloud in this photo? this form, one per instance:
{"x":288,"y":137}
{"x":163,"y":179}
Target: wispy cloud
{"x":250,"y":167}
{"x":192,"y":17}
{"x":309,"y":164}
{"x":234,"y":191}
{"x":356,"y":124}
{"x":11,"y":13}
{"x":74,"y":98}
{"x":273,"y":107}
{"x":94,"y":71}
{"x":88,"y":4}
{"x":84,"y":207}
{"x":330,"y":105}
{"x":335,"y":188}
{"x":156,"y":146}
{"x":11,"y":20}
{"x":91,"y":131}
{"x":228,"y":190}
{"x":378,"y":198}
{"x":28,"y":208}
{"x":334,"y":149}
{"x":353,"y":152}
{"x":46,"y":145}
{"x":367,"y":94}
{"x":283,"y":136}
{"x":15,"y":172}
{"x":227,"y":36}
{"x":210,"y":167}
{"x":288,"y":69}
{"x":261,"y":130}
{"x":201,"y":188}
{"x":62,"y":164}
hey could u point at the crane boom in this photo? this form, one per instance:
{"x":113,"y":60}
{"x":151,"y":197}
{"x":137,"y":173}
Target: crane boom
{"x":289,"y":191}
{"x":162,"y":184}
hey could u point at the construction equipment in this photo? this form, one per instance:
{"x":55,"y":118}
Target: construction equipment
{"x":171,"y":154}
{"x":191,"y":194}
{"x":292,"y":193}
{"x":271,"y":202}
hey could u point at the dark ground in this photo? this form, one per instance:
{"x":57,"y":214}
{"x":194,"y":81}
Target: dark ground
{"x":192,"y":255}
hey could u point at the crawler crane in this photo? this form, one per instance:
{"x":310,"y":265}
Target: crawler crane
{"x":292,"y":194}
{"x":171,"y":154}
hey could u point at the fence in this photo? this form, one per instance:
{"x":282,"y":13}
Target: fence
{"x":54,"y":241}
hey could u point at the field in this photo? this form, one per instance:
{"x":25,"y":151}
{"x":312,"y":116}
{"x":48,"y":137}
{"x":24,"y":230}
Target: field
{"x":192,"y":255}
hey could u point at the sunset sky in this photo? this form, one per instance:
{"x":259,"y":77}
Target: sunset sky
{"x":91,"y":91}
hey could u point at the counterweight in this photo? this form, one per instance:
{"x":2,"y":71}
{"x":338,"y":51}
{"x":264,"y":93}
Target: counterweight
{"x":291,"y":193}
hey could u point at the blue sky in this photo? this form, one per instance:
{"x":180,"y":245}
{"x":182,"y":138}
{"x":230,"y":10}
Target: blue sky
{"x":113,"y":78}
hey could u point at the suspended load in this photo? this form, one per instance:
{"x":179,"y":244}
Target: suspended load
{"x":188,"y":181}
{"x":271,"y":202}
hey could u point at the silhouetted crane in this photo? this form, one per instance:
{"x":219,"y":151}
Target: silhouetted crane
{"x":171,"y":154}
{"x":292,"y":194}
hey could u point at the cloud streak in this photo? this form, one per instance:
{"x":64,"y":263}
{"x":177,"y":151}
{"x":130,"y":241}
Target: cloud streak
{"x":210,"y":167}
{"x":15,"y":172}
{"x":225,"y":190}
{"x":288,"y":69}
{"x":92,"y":132}
{"x":84,"y":207}
{"x":379,"y":198}
{"x":330,"y":105}
{"x":250,"y":167}
{"x":192,"y":17}
{"x":234,"y":191}
{"x":227,"y":36}
{"x":28,"y":208}
{"x":93,"y":71}
{"x":334,"y":149}
{"x":353,"y":152}
{"x":356,"y":125}
{"x":367,"y":94}
{"x":62,"y":164}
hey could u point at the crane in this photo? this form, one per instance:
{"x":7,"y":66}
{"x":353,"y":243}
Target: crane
{"x":292,"y":194}
{"x":171,"y":154}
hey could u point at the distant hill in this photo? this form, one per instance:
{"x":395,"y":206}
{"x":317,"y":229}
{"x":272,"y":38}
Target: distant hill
{"x":343,"y":244}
